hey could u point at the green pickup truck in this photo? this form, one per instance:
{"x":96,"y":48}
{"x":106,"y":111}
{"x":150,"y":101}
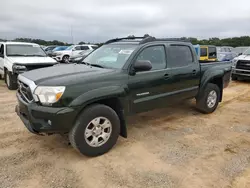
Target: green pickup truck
{"x":91,"y":100}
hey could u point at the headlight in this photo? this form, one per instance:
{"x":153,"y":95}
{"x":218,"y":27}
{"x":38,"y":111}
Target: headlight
{"x":19,"y":67}
{"x":49,"y":95}
{"x":234,"y":61}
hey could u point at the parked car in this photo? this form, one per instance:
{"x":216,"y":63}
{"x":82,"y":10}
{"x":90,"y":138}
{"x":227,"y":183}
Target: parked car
{"x":58,"y":48}
{"x":49,"y":49}
{"x":225,"y":56}
{"x":63,"y":56}
{"x":19,"y":57}
{"x":240,"y":50}
{"x":208,"y":53}
{"x":241,"y":66}
{"x":78,"y":58}
{"x":91,"y":101}
{"x":224,"y":49}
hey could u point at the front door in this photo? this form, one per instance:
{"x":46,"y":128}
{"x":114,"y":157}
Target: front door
{"x":1,"y":59}
{"x":147,"y":88}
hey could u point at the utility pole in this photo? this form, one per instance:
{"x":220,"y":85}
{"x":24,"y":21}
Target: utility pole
{"x":71,"y":33}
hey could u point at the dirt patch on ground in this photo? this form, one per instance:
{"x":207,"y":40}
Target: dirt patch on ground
{"x":172,"y":147}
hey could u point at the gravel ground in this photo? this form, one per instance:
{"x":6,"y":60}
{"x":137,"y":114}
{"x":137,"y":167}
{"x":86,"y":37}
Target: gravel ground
{"x":172,"y":147}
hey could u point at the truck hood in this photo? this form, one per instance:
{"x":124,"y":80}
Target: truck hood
{"x":243,"y":57}
{"x":31,"y":60}
{"x":66,"y":74}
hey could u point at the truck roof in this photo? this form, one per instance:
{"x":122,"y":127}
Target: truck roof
{"x":24,"y":43}
{"x":143,"y":40}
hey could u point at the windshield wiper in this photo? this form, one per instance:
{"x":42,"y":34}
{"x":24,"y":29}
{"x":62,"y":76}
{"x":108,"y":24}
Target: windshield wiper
{"x":93,"y":65}
{"x":16,"y":55}
{"x":96,"y":65}
{"x":35,"y":55}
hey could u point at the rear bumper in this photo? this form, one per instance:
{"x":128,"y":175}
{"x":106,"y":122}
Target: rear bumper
{"x":39,"y":119}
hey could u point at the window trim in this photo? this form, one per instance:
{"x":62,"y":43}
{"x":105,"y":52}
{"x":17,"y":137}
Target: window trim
{"x":192,"y":54}
{"x":142,"y":49}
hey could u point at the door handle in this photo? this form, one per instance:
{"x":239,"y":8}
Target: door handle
{"x":166,"y":76}
{"x":194,"y":71}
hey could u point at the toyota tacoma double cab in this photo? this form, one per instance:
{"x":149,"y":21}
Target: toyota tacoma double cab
{"x":91,"y":100}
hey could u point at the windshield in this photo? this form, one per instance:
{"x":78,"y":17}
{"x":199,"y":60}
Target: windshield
{"x":247,"y":52}
{"x":70,"y":47}
{"x":59,"y":48}
{"x":111,"y":56}
{"x":24,"y":50}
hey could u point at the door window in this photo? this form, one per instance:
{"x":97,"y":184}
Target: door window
{"x":179,"y":56}
{"x":84,"y":48}
{"x":78,"y":48}
{"x":2,"y":50}
{"x":212,"y":52}
{"x":154,"y":54}
{"x":203,"y":52}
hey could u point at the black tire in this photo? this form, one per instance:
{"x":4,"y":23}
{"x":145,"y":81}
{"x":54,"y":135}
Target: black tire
{"x":201,"y":101}
{"x":77,"y":137}
{"x":65,"y":59}
{"x":10,"y":81}
{"x":234,"y":77}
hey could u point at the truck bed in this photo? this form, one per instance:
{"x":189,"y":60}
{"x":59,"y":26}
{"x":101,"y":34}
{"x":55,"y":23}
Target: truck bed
{"x":224,"y":67}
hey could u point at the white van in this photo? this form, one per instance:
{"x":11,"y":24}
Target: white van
{"x":19,"y":57}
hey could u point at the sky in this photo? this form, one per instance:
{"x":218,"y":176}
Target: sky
{"x":100,"y":20}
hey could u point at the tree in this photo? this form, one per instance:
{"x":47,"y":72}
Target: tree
{"x":81,"y":43}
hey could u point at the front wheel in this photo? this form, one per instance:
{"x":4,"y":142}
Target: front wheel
{"x":234,"y":77}
{"x":208,"y":101}
{"x":10,"y":81}
{"x":65,"y":59}
{"x":96,"y":130}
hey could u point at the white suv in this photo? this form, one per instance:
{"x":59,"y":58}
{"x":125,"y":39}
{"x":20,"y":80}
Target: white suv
{"x":19,"y":57}
{"x":64,"y":55}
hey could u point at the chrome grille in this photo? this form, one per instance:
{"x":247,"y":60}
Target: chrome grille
{"x":25,"y":91}
{"x":243,"y":64}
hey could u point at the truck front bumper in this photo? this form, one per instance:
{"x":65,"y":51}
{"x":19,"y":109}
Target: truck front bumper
{"x":40,"y":119}
{"x":241,"y":72}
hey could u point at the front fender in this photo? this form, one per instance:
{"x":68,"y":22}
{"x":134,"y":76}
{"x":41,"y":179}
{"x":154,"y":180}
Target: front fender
{"x":8,"y":64}
{"x":98,"y":94}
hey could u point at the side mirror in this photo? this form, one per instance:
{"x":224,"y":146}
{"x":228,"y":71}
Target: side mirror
{"x":142,"y":65}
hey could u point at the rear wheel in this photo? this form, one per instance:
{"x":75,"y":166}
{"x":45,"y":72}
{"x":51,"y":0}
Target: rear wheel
{"x":208,"y":101}
{"x":10,"y":81}
{"x":96,"y":130}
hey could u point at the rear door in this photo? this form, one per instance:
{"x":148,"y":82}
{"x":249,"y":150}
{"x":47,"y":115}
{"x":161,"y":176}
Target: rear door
{"x":183,"y":70}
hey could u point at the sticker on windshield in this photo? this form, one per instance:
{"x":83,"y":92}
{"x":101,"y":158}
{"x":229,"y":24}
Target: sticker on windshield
{"x":128,"y":52}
